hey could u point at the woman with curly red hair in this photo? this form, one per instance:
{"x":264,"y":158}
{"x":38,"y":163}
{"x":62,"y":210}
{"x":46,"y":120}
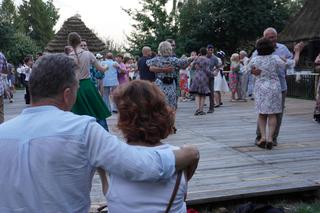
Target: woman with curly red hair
{"x":145,"y":119}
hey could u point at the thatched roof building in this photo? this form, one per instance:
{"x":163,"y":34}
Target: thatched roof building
{"x":74,"y":24}
{"x":304,"y":26}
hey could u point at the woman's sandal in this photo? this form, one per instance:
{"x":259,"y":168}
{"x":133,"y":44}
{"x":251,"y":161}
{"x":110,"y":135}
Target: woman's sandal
{"x":269,"y":145}
{"x":262,"y":144}
{"x":201,"y":113}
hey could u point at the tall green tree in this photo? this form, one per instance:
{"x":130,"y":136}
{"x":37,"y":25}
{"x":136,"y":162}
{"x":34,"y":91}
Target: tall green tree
{"x":153,"y":24}
{"x":229,"y":24}
{"x":6,"y":34}
{"x":8,"y":12}
{"x":39,"y":18}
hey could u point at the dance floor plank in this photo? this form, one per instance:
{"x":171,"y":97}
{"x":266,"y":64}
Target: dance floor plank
{"x":231,"y":167}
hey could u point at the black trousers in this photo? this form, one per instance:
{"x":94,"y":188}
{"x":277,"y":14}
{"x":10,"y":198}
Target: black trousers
{"x":27,"y":95}
{"x":211,"y":97}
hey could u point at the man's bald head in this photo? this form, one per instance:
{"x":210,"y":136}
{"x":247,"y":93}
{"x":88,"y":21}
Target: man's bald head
{"x":146,"y":51}
{"x":109,"y":55}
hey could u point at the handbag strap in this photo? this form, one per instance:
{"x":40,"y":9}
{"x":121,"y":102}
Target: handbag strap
{"x":174,"y":192}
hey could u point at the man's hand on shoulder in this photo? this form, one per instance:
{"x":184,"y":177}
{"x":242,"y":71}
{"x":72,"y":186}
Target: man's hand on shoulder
{"x":255,"y":71}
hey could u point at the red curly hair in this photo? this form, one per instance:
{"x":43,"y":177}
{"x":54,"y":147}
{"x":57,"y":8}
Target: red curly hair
{"x":144,"y":115}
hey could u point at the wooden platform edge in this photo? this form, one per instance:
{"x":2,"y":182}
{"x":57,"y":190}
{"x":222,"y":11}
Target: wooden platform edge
{"x":252,"y":195}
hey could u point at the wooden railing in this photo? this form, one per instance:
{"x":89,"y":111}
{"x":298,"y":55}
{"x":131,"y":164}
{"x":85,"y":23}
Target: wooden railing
{"x":302,"y":85}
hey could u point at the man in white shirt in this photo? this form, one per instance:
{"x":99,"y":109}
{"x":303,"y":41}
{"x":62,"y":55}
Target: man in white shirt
{"x":49,"y":165}
{"x":27,"y":69}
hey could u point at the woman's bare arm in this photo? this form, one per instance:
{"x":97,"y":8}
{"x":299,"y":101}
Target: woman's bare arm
{"x":100,"y":68}
{"x":161,"y":69}
{"x":187,"y":158}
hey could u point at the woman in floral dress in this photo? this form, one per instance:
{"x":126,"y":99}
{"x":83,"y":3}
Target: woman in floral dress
{"x":200,"y":82}
{"x":267,"y":90}
{"x":165,"y":66}
{"x":165,"y":80}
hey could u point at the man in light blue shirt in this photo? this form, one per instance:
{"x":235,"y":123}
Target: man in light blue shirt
{"x":283,"y":52}
{"x":49,"y":165}
{"x":110,"y":81}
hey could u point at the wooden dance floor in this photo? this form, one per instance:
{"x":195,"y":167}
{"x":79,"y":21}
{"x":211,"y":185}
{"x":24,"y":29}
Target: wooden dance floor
{"x":231,"y":167}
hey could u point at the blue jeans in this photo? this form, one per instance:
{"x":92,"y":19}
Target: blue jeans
{"x":107,"y":92}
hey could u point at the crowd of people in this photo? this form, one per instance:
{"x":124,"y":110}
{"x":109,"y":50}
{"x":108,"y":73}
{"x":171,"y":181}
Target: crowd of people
{"x":53,"y":167}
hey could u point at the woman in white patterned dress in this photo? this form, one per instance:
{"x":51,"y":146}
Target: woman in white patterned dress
{"x":267,"y":90}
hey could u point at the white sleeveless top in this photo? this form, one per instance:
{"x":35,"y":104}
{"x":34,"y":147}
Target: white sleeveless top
{"x":128,"y":196}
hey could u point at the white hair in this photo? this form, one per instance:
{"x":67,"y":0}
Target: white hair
{"x":146,"y":48}
{"x":269,"y":29}
{"x":242,"y":52}
{"x":165,"y":48}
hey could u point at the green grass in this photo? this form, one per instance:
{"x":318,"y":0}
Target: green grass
{"x":288,"y":206}
{"x":306,"y":208}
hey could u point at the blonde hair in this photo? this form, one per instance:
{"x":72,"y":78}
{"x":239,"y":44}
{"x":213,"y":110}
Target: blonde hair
{"x":235,"y":57}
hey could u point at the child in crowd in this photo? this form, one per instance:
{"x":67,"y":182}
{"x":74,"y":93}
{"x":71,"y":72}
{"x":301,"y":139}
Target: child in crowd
{"x":233,"y":76}
{"x":123,"y":72}
{"x":184,"y":84}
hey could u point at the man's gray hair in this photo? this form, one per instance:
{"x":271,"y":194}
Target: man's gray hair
{"x":242,"y":52}
{"x":51,"y":75}
{"x":269,"y":29}
{"x":165,"y":49}
{"x":146,"y":48}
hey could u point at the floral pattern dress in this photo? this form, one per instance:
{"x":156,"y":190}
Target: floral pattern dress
{"x":267,"y":89}
{"x":200,"y":82}
{"x":233,"y":76}
{"x":184,"y":80}
{"x":170,"y":90}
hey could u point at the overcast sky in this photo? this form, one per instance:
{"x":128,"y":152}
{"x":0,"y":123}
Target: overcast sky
{"x":105,"y":17}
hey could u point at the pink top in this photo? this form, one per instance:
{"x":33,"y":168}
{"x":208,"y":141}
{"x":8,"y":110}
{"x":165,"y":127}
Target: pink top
{"x":123,"y":77}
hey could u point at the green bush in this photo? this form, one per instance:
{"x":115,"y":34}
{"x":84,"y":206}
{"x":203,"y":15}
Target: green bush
{"x":21,"y":46}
